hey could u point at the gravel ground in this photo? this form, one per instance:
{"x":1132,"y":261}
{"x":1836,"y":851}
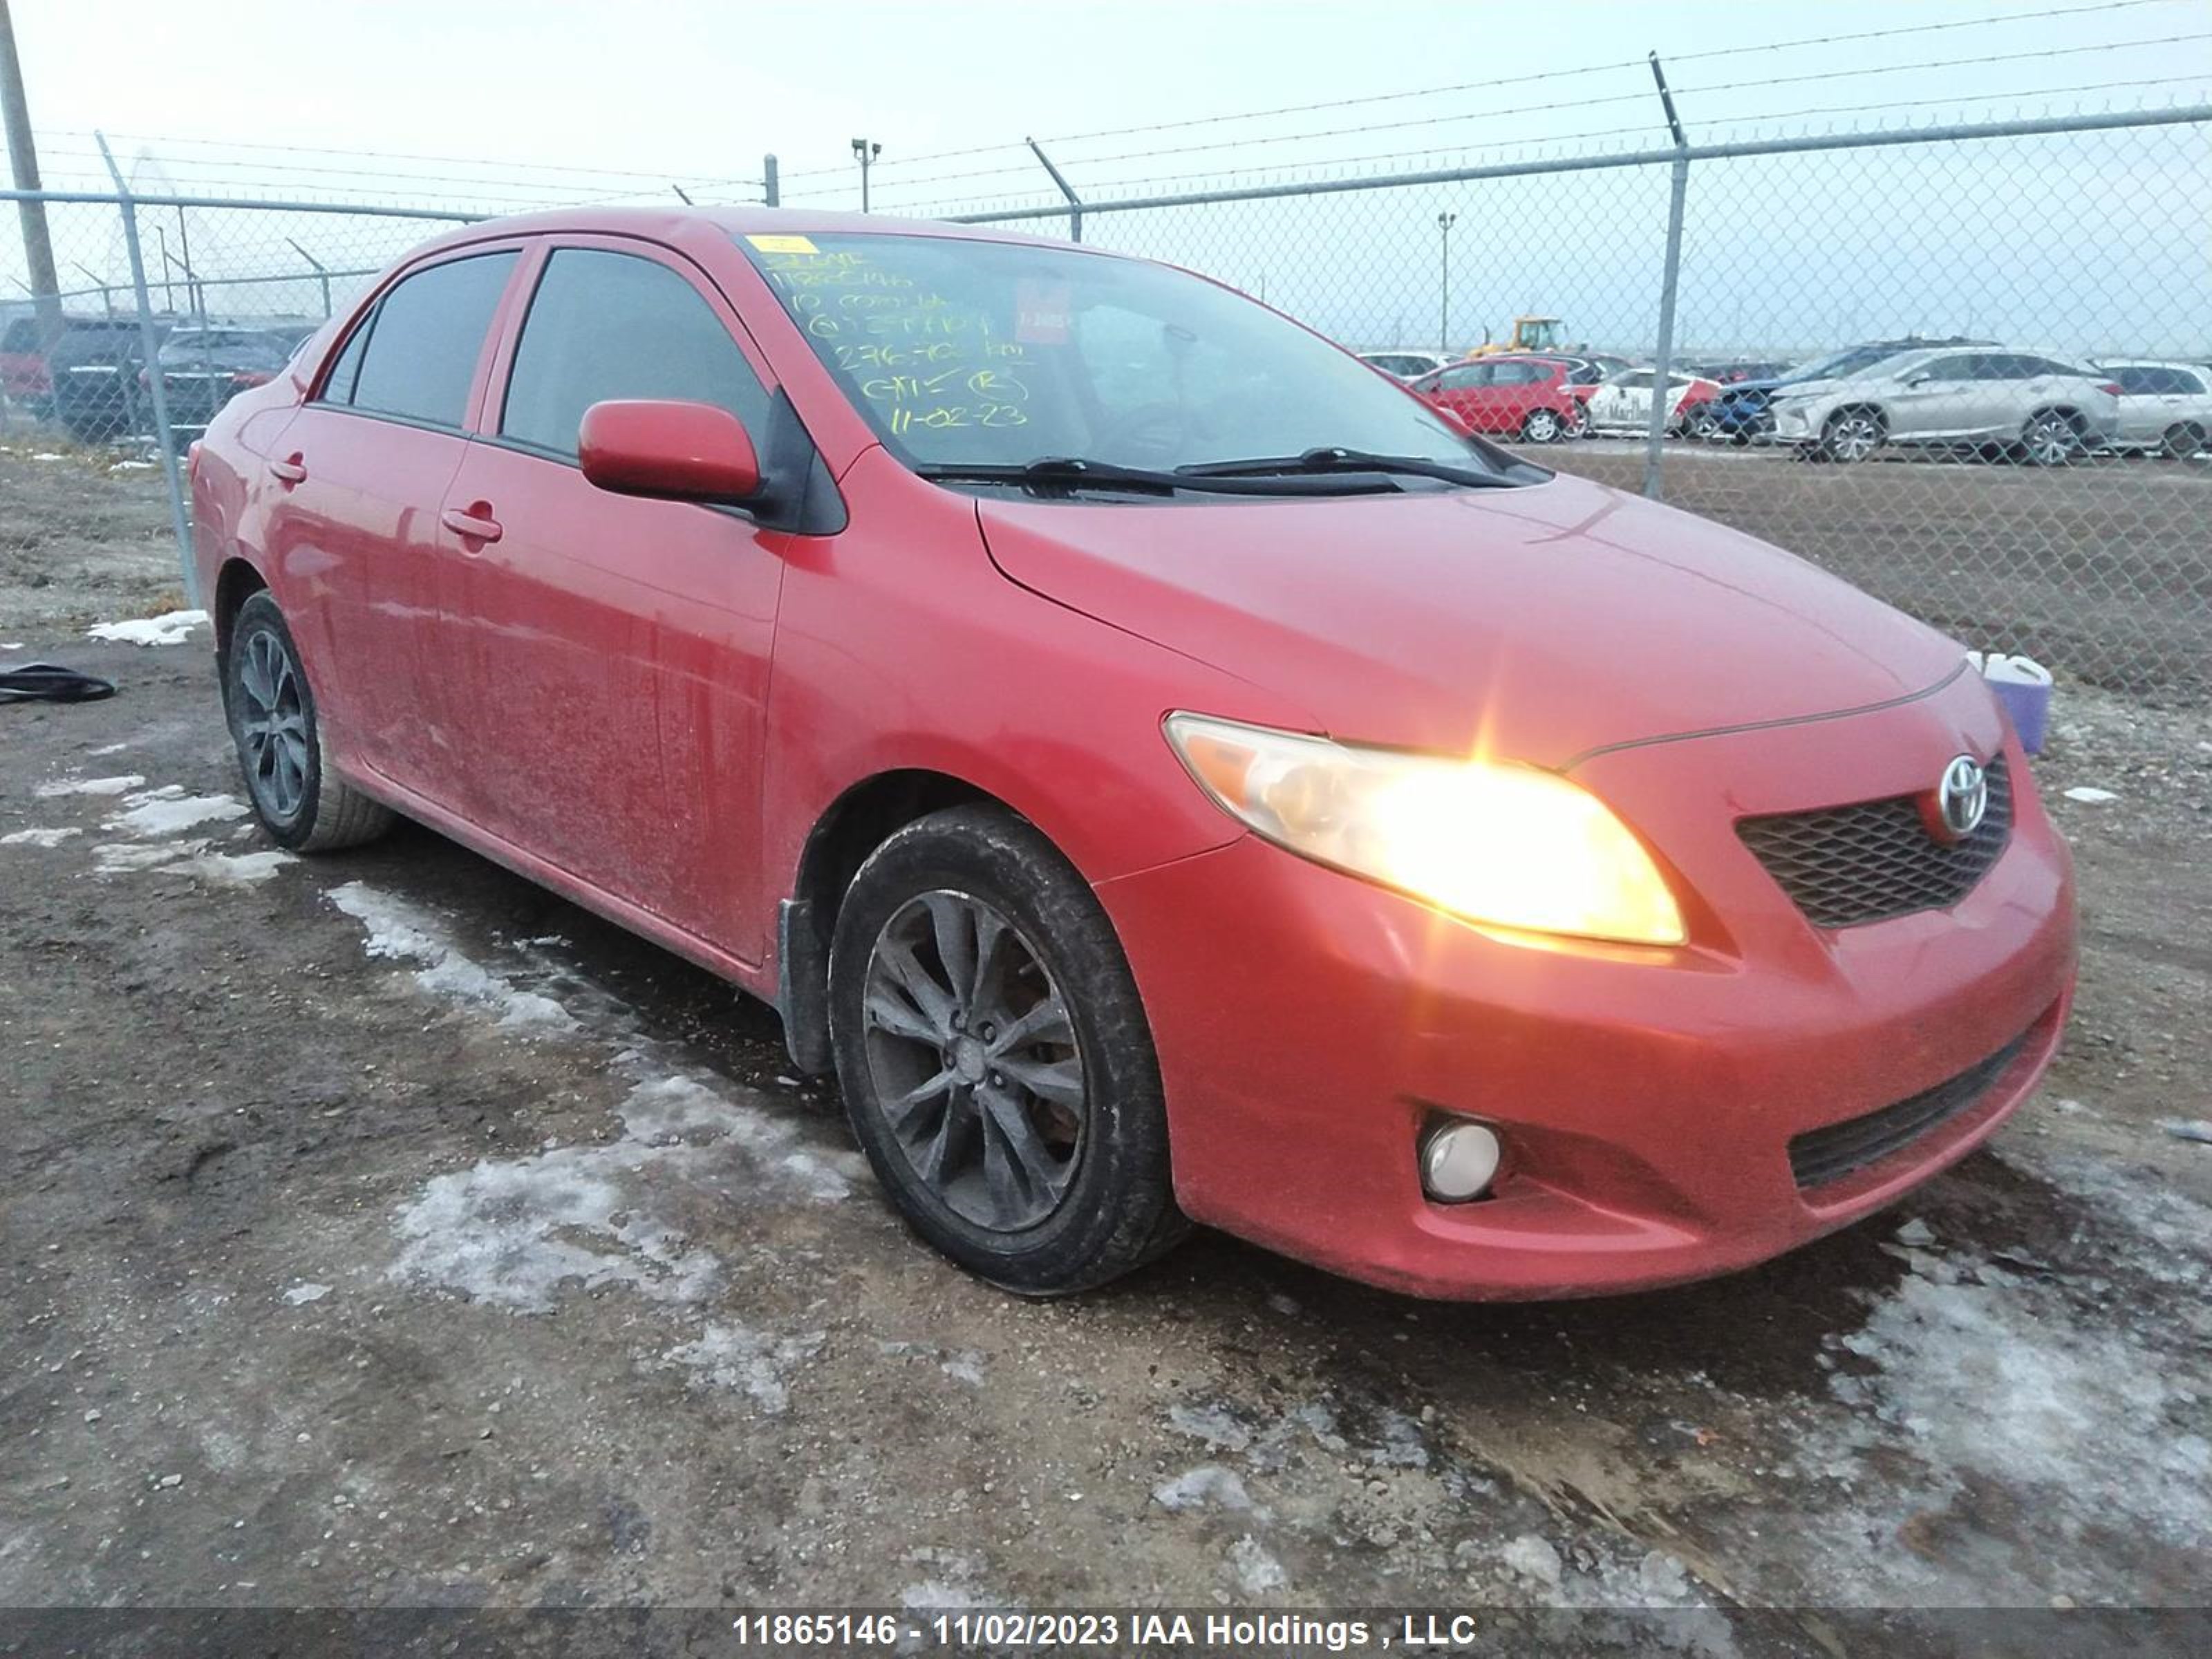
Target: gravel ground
{"x":387,"y":1232}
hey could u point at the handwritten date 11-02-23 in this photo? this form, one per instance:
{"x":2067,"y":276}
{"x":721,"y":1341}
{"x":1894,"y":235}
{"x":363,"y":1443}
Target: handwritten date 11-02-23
{"x":923,"y":363}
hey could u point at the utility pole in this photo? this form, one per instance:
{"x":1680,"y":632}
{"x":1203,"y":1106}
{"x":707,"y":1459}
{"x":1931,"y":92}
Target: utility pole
{"x":45,"y":285}
{"x":1444,"y":222}
{"x":866,"y":151}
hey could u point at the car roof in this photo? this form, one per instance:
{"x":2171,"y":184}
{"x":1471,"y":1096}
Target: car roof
{"x":653,"y":222}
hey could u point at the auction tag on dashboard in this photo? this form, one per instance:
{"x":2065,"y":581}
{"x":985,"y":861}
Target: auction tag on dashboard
{"x":783,"y":244}
{"x":1043,"y":310}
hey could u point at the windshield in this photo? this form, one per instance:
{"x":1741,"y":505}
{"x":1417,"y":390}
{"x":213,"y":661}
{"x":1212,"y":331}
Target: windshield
{"x":967,"y":353}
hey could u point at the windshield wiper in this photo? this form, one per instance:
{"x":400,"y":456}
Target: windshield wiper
{"x":1074,"y":472}
{"x":1329,"y":459}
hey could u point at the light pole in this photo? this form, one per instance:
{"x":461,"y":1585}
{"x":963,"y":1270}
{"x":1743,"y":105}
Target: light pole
{"x":1444,"y":222}
{"x":865,"y":152}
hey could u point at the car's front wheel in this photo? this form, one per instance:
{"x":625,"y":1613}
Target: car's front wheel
{"x":994,"y":1058}
{"x":271,"y":709}
{"x":2181,"y":442}
{"x":1852,"y":434}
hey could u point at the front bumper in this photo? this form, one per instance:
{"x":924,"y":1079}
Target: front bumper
{"x":1310,"y":1026}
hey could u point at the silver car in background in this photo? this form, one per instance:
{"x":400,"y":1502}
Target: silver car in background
{"x":1407,"y":365}
{"x":2040,"y":409}
{"x":2163,"y":406}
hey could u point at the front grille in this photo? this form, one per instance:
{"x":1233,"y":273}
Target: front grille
{"x":1844,"y":866}
{"x":1820,"y":1156}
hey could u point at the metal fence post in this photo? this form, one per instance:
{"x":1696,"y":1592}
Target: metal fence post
{"x":771,"y":190}
{"x":1662,"y":355}
{"x":150,"y":342}
{"x":1074,"y":202}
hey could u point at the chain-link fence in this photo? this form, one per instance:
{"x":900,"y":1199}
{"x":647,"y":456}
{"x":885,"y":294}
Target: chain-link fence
{"x":2011,"y":325}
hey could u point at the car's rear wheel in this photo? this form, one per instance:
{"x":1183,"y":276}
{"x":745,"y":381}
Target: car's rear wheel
{"x":1852,"y":434}
{"x":2181,"y":441}
{"x":300,"y":800}
{"x":1700,"y":426}
{"x":2050,"y":439}
{"x":1543,"y":426}
{"x":994,"y":1057}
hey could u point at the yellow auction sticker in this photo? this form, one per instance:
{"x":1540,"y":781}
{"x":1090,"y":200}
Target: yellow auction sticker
{"x":783,"y":244}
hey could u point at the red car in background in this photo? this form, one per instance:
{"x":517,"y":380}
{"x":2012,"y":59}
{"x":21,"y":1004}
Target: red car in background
{"x":1169,"y":773}
{"x":25,"y":379}
{"x":1539,"y":399}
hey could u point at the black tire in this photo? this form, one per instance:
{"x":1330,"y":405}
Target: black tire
{"x":1701,"y":427}
{"x":2181,"y":440}
{"x":1117,"y":1208}
{"x":323,"y":813}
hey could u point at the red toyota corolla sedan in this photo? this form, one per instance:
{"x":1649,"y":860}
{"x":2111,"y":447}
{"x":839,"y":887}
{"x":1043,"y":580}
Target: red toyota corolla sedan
{"x":1164,"y":769}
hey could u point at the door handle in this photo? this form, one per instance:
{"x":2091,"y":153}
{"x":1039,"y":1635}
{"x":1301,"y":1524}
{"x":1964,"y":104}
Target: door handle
{"x":475,"y":524}
{"x":290,"y":470}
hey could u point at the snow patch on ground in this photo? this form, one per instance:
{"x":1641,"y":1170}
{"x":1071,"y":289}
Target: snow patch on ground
{"x":168,"y":811}
{"x":402,"y":930}
{"x":1257,"y":1572}
{"x":1972,"y":1376}
{"x":306,"y":1292}
{"x":53,"y":837}
{"x":514,"y":1233}
{"x":167,"y":630}
{"x":734,"y":1356}
{"x":90,"y":787}
{"x":1209,"y":1483}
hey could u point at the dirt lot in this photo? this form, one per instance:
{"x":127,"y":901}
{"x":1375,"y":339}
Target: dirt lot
{"x":383,"y":1231}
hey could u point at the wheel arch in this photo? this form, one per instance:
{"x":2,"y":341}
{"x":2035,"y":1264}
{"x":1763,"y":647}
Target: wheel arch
{"x":859,"y":820}
{"x":238,"y":581}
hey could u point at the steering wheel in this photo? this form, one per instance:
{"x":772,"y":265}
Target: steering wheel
{"x":1160,"y":427}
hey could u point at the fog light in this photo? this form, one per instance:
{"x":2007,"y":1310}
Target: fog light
{"x":1458,"y":1161}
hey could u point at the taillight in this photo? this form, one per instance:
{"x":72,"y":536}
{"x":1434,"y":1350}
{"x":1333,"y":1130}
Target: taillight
{"x":2109,"y":389}
{"x":193,"y":459}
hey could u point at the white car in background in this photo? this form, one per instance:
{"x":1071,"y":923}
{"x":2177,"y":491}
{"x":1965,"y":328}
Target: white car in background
{"x":2163,"y":406}
{"x":2041,"y":408}
{"x":1623,"y":400}
{"x":1407,"y":365}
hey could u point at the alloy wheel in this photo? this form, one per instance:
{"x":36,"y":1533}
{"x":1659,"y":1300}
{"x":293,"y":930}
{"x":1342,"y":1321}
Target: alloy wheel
{"x":272,"y":725}
{"x":1542,"y":426}
{"x":1853,"y":437}
{"x":2050,"y":440}
{"x":973,"y":1057}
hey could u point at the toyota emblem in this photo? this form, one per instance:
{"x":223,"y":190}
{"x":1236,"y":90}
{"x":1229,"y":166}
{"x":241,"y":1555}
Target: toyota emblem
{"x":1963,"y":796}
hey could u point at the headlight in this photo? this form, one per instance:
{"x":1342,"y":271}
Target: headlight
{"x":1514,"y":846}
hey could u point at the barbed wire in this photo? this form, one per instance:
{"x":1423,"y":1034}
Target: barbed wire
{"x":1641,"y":95}
{"x":2020,"y":97}
{"x":2000,"y":19}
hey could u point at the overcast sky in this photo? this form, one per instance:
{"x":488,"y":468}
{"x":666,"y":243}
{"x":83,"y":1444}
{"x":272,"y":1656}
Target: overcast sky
{"x":198,"y":96}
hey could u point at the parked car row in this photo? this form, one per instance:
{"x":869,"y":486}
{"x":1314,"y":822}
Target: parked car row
{"x":1544,"y":399}
{"x":94,"y":379}
{"x":1956,"y":394}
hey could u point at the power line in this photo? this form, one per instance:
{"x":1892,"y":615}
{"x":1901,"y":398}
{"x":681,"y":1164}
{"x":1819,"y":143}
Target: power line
{"x":655,"y":178}
{"x":2021,"y":95}
{"x":1639,"y":96}
{"x":1523,"y":80}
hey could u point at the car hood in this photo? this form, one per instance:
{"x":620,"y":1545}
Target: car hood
{"x":1754,"y":388}
{"x":1538,"y":623}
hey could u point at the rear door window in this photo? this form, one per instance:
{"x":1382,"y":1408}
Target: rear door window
{"x":423,"y":343}
{"x":605,"y":325}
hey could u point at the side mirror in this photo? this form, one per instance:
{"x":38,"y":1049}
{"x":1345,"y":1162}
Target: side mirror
{"x":1919,"y":379}
{"x":662,"y":447}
